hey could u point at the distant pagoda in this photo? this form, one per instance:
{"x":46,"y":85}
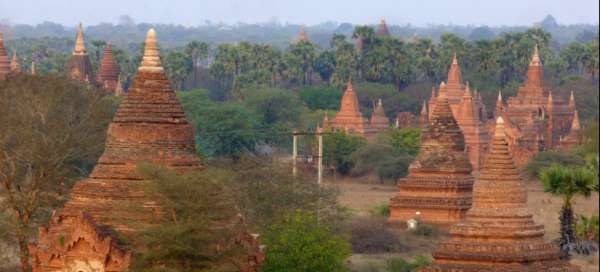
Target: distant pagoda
{"x":382,"y":29}
{"x":438,"y":188}
{"x":108,"y":76}
{"x":349,"y":118}
{"x":15,"y":67}
{"x":4,"y":61}
{"x":378,"y":119}
{"x":575,"y":136}
{"x":302,"y":36}
{"x":498,"y":233}
{"x":79,"y":66}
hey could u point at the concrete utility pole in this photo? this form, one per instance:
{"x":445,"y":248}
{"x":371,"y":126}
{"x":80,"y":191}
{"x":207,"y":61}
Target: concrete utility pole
{"x":320,"y":167}
{"x":294,"y":153}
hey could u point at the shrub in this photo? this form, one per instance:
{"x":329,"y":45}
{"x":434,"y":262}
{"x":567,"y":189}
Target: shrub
{"x":370,"y":236}
{"x":302,"y":243}
{"x":338,"y":148}
{"x":425,"y":230}
{"x":547,"y":158}
{"x":406,"y":140}
{"x":398,"y":264}
{"x":382,"y":159}
{"x":587,"y":228}
{"x":382,"y":210}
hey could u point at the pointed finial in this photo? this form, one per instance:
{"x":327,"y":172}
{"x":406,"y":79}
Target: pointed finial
{"x":535,"y":59}
{"x":33,"y":72}
{"x":424,"y":108}
{"x":499,"y":131}
{"x":499,"y":96}
{"x":454,"y":59}
{"x":467,"y":90}
{"x":379,"y":102}
{"x":576,"y":125}
{"x":79,"y":42}
{"x":442,"y":91}
{"x":151,"y":59}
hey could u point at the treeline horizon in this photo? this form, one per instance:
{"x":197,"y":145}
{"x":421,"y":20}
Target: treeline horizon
{"x":278,"y":34}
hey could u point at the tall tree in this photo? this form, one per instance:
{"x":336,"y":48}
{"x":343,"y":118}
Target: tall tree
{"x":49,"y":127}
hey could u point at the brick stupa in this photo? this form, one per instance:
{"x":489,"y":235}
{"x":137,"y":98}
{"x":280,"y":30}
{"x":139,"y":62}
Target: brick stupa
{"x":79,"y":66}
{"x":108,"y":77}
{"x":379,"y":121}
{"x":349,"y":119}
{"x":438,"y":188}
{"x":469,"y":112}
{"x":498,"y":233}
{"x":4,"y":60}
{"x":575,"y":136}
{"x":149,"y":126}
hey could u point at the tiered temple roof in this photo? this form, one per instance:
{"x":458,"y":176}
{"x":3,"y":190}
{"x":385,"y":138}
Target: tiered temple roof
{"x":349,"y":118}
{"x":4,"y":61}
{"x":498,"y":233}
{"x":378,"y":119}
{"x":109,"y":71}
{"x":149,"y":126}
{"x":438,"y":188}
{"x":537,"y":119}
{"x":79,"y":66}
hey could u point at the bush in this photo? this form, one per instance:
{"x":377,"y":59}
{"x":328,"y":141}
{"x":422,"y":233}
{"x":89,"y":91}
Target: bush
{"x":338,"y":148}
{"x":302,"y":243}
{"x":371,"y":236}
{"x":383,"y":160}
{"x":425,"y":230}
{"x":382,"y":210}
{"x":398,"y":264}
{"x":548,"y":158}
{"x":406,"y":140}
{"x":587,"y":228}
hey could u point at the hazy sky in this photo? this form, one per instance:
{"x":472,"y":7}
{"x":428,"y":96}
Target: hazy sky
{"x":194,"y":12}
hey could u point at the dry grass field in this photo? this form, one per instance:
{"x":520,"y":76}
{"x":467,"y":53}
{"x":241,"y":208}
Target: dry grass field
{"x":361,"y":195}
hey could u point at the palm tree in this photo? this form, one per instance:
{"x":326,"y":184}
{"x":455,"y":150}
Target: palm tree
{"x":567,"y":183}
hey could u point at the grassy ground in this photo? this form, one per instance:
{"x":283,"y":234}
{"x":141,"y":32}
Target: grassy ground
{"x":361,"y":195}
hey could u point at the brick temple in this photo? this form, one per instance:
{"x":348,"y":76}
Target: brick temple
{"x":15,"y":67}
{"x":438,"y":187}
{"x":79,"y":66}
{"x":4,"y":61}
{"x":498,"y":233}
{"x":382,"y":29}
{"x":149,"y":126}
{"x":535,"y":120}
{"x":108,"y":75}
{"x":468,"y":110}
{"x":379,"y":121}
{"x":349,"y":118}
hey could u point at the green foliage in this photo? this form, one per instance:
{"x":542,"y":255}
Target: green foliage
{"x":426,"y":230}
{"x":323,"y":98}
{"x":177,"y":66}
{"x":548,"y":158}
{"x":382,"y":210}
{"x":222,"y":128}
{"x":587,"y":228}
{"x":381,"y":159}
{"x":398,"y":264}
{"x":301,"y":243}
{"x":406,"y":140}
{"x":338,"y":148}
{"x":267,"y":193}
{"x":567,"y":183}
{"x":198,"y":227}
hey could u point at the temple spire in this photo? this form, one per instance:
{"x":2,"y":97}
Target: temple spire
{"x":535,"y":59}
{"x":454,"y":74}
{"x":572,"y":101}
{"x":151,"y":59}
{"x":575,"y":125}
{"x":424,"y":108}
{"x":302,"y":36}
{"x":382,"y":30}
{"x":32,"y":69}
{"x":4,"y":61}
{"x":79,"y":42}
{"x":15,"y":67}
